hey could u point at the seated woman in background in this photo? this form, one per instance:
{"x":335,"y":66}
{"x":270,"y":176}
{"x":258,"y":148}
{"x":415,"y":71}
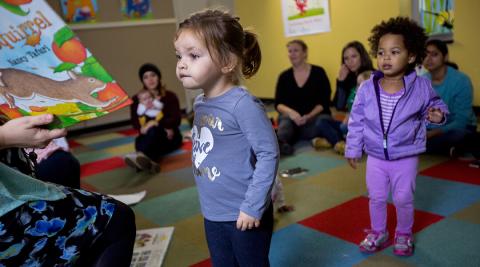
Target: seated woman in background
{"x":455,"y":89}
{"x":355,"y":60}
{"x":43,"y":224}
{"x":302,"y":100}
{"x":157,"y":118}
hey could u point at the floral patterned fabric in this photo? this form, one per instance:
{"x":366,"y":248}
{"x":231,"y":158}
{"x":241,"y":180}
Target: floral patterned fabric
{"x":53,"y":233}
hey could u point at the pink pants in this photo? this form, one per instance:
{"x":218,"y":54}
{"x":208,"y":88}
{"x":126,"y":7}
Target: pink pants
{"x":398,"y":177}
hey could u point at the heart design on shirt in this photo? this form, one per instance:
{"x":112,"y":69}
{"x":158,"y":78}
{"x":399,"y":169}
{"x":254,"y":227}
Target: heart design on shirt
{"x":202,"y":144}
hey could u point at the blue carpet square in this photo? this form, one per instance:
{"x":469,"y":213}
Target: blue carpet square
{"x":113,"y":142}
{"x":297,"y":245}
{"x":313,"y":162}
{"x":449,"y":242}
{"x":444,"y":197}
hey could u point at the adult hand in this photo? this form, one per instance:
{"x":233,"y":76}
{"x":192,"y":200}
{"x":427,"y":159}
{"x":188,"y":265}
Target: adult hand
{"x":353,"y":162}
{"x":435,"y":115}
{"x":246,"y":221}
{"x":296,"y":118}
{"x":300,"y":121}
{"x":343,"y":73}
{"x":26,"y":132}
{"x":170,"y":134}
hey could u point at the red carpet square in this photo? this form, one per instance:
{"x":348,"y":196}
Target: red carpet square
{"x":204,"y":263}
{"x":73,"y":144}
{"x":454,"y":170}
{"x":100,"y":166}
{"x":187,"y":145}
{"x":129,"y":132}
{"x":348,"y":220}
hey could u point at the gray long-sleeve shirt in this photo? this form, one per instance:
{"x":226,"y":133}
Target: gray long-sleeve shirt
{"x":235,"y":155}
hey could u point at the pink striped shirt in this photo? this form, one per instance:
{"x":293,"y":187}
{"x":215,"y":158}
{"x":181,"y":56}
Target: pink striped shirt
{"x":388,"y":103}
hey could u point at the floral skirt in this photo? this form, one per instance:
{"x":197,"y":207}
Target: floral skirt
{"x":53,"y":233}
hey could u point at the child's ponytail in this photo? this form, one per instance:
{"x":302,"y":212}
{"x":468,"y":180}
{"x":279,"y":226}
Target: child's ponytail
{"x":252,"y":56}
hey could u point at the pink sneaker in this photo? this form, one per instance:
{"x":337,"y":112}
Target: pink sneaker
{"x":374,"y":241}
{"x":403,"y":244}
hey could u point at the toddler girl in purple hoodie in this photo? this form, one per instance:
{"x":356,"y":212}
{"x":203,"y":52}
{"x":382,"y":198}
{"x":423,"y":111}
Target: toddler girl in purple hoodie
{"x":388,"y":122}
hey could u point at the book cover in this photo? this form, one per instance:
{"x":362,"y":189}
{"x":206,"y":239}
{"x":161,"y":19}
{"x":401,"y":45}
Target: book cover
{"x":44,"y":68}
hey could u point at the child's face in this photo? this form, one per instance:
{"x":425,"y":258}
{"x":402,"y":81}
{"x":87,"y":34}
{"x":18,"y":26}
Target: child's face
{"x":195,"y":66}
{"x":434,"y":59}
{"x":392,"y":56}
{"x":145,"y":98}
{"x":351,"y":58}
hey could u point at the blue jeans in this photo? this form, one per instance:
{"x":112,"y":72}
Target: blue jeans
{"x":229,"y":246}
{"x":322,"y":126}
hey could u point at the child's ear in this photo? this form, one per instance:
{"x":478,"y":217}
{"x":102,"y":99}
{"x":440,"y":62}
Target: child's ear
{"x":231,"y":64}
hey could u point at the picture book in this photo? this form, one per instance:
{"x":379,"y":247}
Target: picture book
{"x":151,"y":246}
{"x":44,"y":68}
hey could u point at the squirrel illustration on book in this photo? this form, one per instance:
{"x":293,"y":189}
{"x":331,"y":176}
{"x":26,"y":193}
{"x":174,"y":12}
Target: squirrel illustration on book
{"x":26,"y":85}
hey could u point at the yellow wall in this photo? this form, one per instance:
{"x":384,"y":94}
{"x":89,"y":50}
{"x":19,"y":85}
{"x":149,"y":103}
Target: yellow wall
{"x":465,"y":49}
{"x":350,"y":20}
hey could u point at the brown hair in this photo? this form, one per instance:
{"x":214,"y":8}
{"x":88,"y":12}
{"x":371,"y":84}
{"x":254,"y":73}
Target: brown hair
{"x":299,"y":42}
{"x":414,"y":37}
{"x":223,"y":36}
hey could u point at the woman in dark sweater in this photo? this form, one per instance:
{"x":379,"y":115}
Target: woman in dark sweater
{"x":158,"y":135}
{"x":302,"y":99}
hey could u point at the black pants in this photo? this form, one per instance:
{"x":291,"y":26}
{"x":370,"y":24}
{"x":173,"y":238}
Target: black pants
{"x":61,"y":168}
{"x":155,"y":143}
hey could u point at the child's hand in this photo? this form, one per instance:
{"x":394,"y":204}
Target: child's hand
{"x":353,"y":162}
{"x":435,"y":115}
{"x":246,"y":221}
{"x":170,"y":133}
{"x":147,"y":126}
{"x":26,"y":132}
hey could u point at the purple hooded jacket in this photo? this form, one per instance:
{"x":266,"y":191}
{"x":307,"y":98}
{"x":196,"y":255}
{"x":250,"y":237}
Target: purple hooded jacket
{"x":406,"y":134}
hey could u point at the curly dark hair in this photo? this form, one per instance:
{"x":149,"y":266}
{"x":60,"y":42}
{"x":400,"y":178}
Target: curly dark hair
{"x":414,"y":37}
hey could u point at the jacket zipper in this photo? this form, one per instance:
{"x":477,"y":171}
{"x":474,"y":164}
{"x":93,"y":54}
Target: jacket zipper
{"x":385,"y":133}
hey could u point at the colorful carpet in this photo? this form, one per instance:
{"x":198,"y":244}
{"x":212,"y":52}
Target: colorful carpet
{"x":331,"y":208}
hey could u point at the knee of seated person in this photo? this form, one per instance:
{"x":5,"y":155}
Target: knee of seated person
{"x":124,"y":216}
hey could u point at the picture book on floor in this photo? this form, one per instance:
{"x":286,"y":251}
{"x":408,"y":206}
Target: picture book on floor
{"x":44,"y":68}
{"x":151,"y":246}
